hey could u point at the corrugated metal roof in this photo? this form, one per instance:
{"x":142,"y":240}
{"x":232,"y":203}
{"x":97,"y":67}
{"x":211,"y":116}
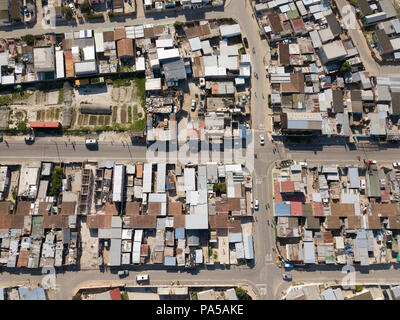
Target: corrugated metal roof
{"x":147,"y":177}
{"x":248,"y":247}
{"x":161,"y":172}
{"x":115,"y":252}
{"x":309,"y":252}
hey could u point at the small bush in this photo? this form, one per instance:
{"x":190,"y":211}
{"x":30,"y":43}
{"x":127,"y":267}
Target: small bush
{"x":178,"y":24}
{"x":242,"y":294}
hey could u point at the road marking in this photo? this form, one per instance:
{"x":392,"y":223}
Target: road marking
{"x":268,"y":258}
{"x":259,"y":180}
{"x":263,"y":289}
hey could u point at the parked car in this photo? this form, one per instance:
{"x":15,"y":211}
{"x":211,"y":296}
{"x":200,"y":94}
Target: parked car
{"x":1,"y":137}
{"x":26,"y":11}
{"x":262,"y":139}
{"x":246,"y":43}
{"x":30,"y":138}
{"x":396,"y":165}
{"x":193,"y":108}
{"x":288,"y":265}
{"x":142,"y":277}
{"x":287,"y":277}
{"x":123,"y":273}
{"x":370,"y":161}
{"x":255,"y":204}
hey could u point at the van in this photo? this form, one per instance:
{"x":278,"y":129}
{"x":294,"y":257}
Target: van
{"x":142,"y":277}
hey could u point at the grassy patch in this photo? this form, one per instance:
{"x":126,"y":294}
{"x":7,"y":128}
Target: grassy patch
{"x":60,"y":96}
{"x":38,"y":114}
{"x":129,"y":114}
{"x":242,"y":50}
{"x":141,"y":90}
{"x":114,"y":114}
{"x":5,"y":100}
{"x":139,"y":125}
{"x":93,"y":120}
{"x":122,"y":82}
{"x":100,"y":120}
{"x":17,"y":96}
{"x":58,"y":111}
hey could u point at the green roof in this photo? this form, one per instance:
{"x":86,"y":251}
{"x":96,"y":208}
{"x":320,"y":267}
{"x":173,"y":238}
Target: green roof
{"x":293,"y":14}
{"x":373,"y":186}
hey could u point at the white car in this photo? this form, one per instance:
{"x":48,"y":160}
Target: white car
{"x":262,"y":139}
{"x":142,"y":277}
{"x":396,"y":165}
{"x":193,"y":105}
{"x":91,"y":141}
{"x":255,"y":204}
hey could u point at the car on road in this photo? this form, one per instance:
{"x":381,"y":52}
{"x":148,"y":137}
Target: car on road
{"x":287,"y":277}
{"x":396,"y":165}
{"x":262,"y":139}
{"x":123,"y":273}
{"x":91,"y":142}
{"x":142,"y":277}
{"x":370,"y":161}
{"x":256,"y":204}
{"x":288,"y":265}
{"x":254,"y":51}
{"x":246,"y":43}
{"x":30,"y":139}
{"x":193,"y":108}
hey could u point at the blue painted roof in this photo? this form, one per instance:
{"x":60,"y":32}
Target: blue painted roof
{"x":169,"y":261}
{"x":180,"y":233}
{"x":282,"y":209}
{"x":35,"y":293}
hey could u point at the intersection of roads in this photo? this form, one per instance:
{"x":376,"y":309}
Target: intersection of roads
{"x":264,"y":277}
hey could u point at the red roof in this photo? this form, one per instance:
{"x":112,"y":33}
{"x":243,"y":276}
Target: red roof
{"x":317,"y":209}
{"x":45,"y":124}
{"x":287,"y":186}
{"x":278,"y":196}
{"x":296,"y":209}
{"x":385,"y":197}
{"x":115,"y":294}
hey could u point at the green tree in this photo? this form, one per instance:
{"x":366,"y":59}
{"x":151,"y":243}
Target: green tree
{"x":68,"y":13}
{"x":345,"y":67}
{"x":219,"y":187}
{"x":56,"y":182}
{"x":29,"y":39}
{"x":242,"y":294}
{"x":178,"y":25}
{"x":353,"y":3}
{"x":86,"y":7}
